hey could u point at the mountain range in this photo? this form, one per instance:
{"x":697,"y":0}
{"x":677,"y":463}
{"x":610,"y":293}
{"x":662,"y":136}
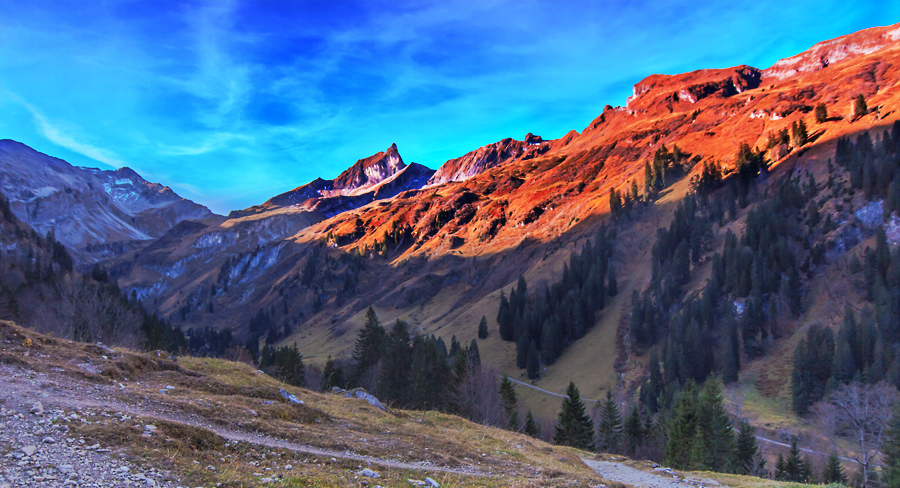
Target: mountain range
{"x":437,"y":247}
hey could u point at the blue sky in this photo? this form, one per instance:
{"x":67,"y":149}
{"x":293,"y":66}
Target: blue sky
{"x":232,"y":102}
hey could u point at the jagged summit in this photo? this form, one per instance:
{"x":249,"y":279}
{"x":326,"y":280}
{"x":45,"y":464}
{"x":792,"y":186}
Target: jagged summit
{"x":379,"y":176}
{"x":368,"y":172}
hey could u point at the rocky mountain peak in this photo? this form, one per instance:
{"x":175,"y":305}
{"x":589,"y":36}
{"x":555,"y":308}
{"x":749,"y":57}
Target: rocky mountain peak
{"x":657,"y":91}
{"x":829,"y":52}
{"x":369,"y":171}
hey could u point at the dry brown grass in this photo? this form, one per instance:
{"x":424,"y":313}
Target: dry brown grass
{"x":212,"y":397}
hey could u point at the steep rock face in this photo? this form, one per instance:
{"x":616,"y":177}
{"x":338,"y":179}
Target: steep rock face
{"x":359,"y":178}
{"x":367,"y":173}
{"x":93,"y":212}
{"x":827,"y":53}
{"x":482,"y":159}
{"x":662,"y":90}
{"x":376,"y":177}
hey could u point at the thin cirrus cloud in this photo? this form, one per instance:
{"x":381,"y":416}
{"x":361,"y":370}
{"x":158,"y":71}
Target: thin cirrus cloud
{"x":232,"y":102}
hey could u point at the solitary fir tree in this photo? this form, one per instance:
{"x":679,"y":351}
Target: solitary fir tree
{"x":510,"y":403}
{"x":821,"y":113}
{"x":483,"y":328}
{"x":573,"y":426}
{"x":834,"y":473}
{"x":609,"y":432}
{"x":859,"y":106}
{"x":531,"y":427}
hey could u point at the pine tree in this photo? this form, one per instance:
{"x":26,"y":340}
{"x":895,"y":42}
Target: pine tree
{"x":634,"y":431}
{"x":747,"y":448}
{"x":531,"y":427}
{"x":332,"y":375}
{"x":794,"y":468}
{"x":891,"y":449}
{"x":780,"y":468}
{"x":505,"y":319}
{"x":574,"y":427}
{"x":834,"y":473}
{"x":474,"y":355}
{"x":821,"y":113}
{"x":615,"y":202}
{"x":609,"y":432}
{"x":859,"y":106}
{"x":510,"y":403}
{"x":715,"y":425}
{"x":533,"y":366}
{"x":799,"y":135}
{"x":800,"y":379}
{"x":681,"y":428}
{"x":396,"y":367}
{"x":522,"y":351}
{"x":483,"y":328}
{"x":699,"y":453}
{"x":367,"y":351}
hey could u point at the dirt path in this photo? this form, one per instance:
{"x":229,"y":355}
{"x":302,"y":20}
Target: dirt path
{"x":21,"y":383}
{"x":622,"y":473}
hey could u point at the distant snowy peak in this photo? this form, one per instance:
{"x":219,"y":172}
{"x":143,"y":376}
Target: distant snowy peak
{"x":87,"y":208}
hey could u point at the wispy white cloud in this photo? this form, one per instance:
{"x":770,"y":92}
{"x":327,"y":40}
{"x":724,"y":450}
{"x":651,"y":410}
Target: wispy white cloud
{"x":211,"y":143}
{"x":61,"y":136}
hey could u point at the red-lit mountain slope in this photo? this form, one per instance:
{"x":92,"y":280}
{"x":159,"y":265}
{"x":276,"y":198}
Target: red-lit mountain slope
{"x":438,"y":254}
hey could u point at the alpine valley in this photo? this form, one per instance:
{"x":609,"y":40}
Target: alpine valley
{"x":718,"y":221}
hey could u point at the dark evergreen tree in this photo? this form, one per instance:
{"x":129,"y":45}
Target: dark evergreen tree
{"x":531,"y":427}
{"x":395,"y":365}
{"x":609,"y":430}
{"x":799,"y":135}
{"x":505,"y":319}
{"x":615,"y":202}
{"x":332,"y":375}
{"x":510,"y":403}
{"x":573,"y":426}
{"x":794,"y":467}
{"x":834,"y":473}
{"x":522,"y":344}
{"x":474,"y":355}
{"x":428,"y":376}
{"x":859,"y":106}
{"x":715,"y":425}
{"x":682,"y":428}
{"x":891,"y":450}
{"x":747,"y":448}
{"x":369,"y":342}
{"x":284,"y":363}
{"x":821,"y":113}
{"x":483,"y":328}
{"x":633,"y":432}
{"x":533,"y":368}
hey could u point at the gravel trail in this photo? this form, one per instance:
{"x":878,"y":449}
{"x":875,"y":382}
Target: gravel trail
{"x":22,"y":387}
{"x":666,"y":478}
